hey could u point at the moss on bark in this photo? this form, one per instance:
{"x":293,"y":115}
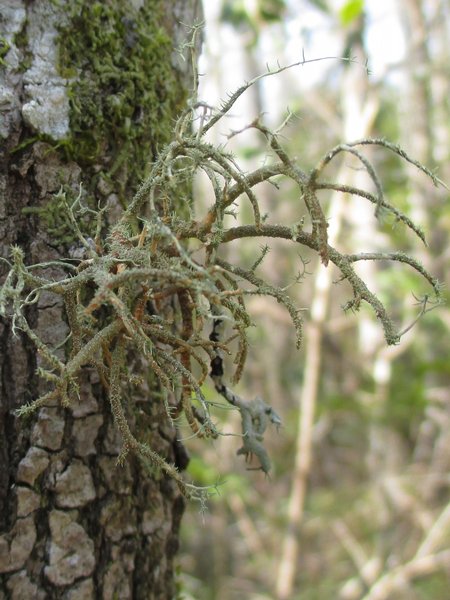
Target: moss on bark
{"x":123,"y":91}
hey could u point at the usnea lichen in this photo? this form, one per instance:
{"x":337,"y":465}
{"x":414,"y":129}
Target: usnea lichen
{"x":117,"y":293}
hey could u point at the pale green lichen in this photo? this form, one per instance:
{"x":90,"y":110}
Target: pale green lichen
{"x":54,"y":217}
{"x":117,"y":296}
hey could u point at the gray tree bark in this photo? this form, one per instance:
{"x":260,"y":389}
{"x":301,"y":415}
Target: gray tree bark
{"x":73,"y":525}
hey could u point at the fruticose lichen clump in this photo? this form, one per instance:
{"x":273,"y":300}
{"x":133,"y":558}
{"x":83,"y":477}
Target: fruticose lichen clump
{"x":137,"y":287}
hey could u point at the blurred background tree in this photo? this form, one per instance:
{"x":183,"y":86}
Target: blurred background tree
{"x":358,"y":505}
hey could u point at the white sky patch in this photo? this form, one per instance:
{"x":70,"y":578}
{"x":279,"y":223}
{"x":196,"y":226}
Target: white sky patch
{"x":385,"y":42}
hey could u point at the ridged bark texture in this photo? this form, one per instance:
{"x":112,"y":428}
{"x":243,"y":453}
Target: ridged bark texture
{"x":73,"y":525}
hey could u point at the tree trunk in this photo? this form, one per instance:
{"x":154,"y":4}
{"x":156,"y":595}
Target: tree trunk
{"x":88,"y":93}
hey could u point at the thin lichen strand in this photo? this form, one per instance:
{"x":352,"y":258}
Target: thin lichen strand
{"x":124,"y":92}
{"x":53,"y":218}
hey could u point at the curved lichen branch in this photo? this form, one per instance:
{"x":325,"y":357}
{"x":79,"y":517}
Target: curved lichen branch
{"x":264,"y":289}
{"x":402,"y":154}
{"x":395,"y":148}
{"x":380,"y":203}
{"x":400,"y":257}
{"x":365,"y":162}
{"x":343,"y":262}
{"x":291,"y":170}
{"x":227,"y":105}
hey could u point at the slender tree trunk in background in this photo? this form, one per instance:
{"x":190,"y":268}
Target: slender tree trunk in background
{"x":359,"y":111}
{"x":427,"y":100}
{"x":72,"y":524}
{"x":418,"y":103}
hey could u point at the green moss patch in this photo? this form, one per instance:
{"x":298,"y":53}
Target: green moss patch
{"x":124,"y":93}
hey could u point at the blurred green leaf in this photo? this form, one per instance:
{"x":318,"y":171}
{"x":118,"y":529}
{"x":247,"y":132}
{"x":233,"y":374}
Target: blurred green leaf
{"x":235,"y":13}
{"x":350,"y":11}
{"x":201,"y":472}
{"x":272,"y":10}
